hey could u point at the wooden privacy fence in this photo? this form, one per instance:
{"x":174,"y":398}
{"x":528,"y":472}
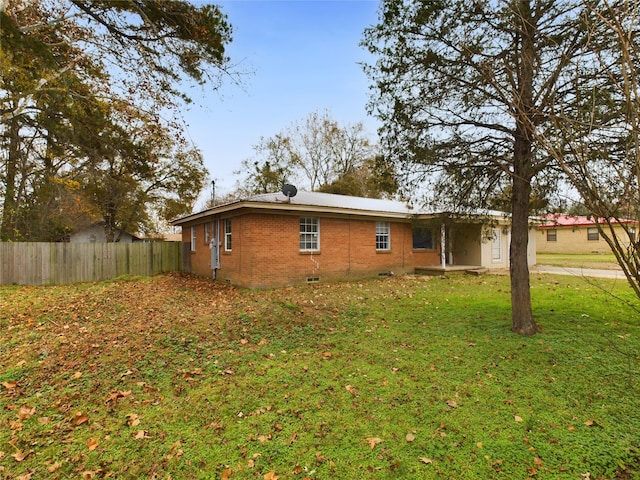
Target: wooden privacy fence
{"x":62,"y":263}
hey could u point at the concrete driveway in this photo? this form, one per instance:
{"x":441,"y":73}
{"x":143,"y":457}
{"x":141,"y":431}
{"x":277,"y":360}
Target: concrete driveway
{"x":578,"y":272}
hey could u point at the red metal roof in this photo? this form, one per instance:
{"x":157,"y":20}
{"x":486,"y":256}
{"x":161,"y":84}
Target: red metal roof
{"x":554,"y":220}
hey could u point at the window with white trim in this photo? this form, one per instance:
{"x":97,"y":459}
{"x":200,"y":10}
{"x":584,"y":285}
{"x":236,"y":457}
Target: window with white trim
{"x":227,"y":234}
{"x":309,"y":234}
{"x":193,"y":239}
{"x":592,"y":234}
{"x":207,"y":233}
{"x":552,"y":235}
{"x":632,"y":234}
{"x":496,"y":245}
{"x":383,"y":236}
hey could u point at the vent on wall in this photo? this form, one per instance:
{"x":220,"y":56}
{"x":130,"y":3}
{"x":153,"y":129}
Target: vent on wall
{"x":313,"y":279}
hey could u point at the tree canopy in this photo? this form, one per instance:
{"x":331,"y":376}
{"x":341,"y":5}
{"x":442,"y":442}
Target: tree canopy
{"x":318,"y":154}
{"x":464,"y":91}
{"x":88,"y":104}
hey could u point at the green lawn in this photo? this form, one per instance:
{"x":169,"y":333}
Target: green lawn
{"x":603,"y":261}
{"x":176,"y":377}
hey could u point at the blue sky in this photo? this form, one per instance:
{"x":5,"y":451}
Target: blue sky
{"x":301,"y":56}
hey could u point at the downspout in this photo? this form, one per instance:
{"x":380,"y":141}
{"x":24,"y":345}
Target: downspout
{"x":215,"y":270}
{"x":443,"y":254}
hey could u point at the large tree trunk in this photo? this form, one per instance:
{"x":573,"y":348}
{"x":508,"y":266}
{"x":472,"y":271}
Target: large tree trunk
{"x":521,"y":314}
{"x":7,"y":227}
{"x":522,"y":321}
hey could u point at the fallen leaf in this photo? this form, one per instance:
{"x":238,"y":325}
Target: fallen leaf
{"x":271,"y":476}
{"x":264,"y":438}
{"x":452,"y":403}
{"x":410,"y":437}
{"x":117,"y":395}
{"x":92,"y":444}
{"x":141,"y":435}
{"x":53,"y":467}
{"x":26,"y":412}
{"x":43,"y":420}
{"x":77,"y":375}
{"x":373,"y":441}
{"x":327,"y":354}
{"x":80,"y":418}
{"x":226,"y":474}
{"x":297,"y":470}
{"x":425,"y":460}
{"x":20,"y":456}
{"x":10,"y":385}
{"x":320,"y":458}
{"x":133,"y":420}
{"x":351,"y":390}
{"x":517,"y":418}
{"x":15,"y":426}
{"x":479,"y":444}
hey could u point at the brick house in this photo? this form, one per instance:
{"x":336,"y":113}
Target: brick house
{"x":561,"y":233}
{"x":271,"y":240}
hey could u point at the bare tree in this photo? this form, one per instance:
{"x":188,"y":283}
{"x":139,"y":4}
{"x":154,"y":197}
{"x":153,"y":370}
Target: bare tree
{"x":596,"y":141}
{"x":316,"y":150}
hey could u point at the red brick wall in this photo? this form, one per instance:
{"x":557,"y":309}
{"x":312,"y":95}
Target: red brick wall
{"x":201,"y":258}
{"x":266,"y":251}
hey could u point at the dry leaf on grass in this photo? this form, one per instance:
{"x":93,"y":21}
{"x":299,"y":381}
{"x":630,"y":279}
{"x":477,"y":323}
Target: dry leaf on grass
{"x":373,"y":441}
{"x":80,"y":418}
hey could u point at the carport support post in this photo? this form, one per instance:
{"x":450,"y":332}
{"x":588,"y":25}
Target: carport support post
{"x":443,"y":254}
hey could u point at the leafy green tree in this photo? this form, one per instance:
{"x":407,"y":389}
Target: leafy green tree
{"x":463,"y":89}
{"x":270,"y":171}
{"x":374,"y":178}
{"x":145,"y":168}
{"x":76,"y":73}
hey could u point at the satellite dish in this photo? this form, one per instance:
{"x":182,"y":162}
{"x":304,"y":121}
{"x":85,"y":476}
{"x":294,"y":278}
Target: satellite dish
{"x":289,"y":191}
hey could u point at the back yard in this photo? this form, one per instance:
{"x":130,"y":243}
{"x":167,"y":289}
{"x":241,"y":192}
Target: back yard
{"x":175,"y":377}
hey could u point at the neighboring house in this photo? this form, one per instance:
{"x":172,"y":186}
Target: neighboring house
{"x":270,"y":240}
{"x":95,"y":234}
{"x":561,"y":233}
